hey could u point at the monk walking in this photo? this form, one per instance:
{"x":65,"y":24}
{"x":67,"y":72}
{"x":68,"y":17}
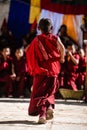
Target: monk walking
{"x":44,"y":55}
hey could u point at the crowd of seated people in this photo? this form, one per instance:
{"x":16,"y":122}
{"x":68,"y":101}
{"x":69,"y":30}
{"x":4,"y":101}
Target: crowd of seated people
{"x":15,"y":80}
{"x":73,"y":70}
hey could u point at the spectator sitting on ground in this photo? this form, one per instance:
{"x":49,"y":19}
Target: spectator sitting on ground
{"x":19,"y":63}
{"x":6,"y":72}
{"x":71,"y":67}
{"x":81,"y":70}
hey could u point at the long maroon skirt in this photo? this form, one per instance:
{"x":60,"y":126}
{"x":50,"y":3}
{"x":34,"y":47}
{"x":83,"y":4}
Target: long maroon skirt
{"x":43,"y":92}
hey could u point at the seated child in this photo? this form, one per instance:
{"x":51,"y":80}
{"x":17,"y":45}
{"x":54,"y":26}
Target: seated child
{"x":6,"y":71}
{"x":19,"y":63}
{"x":71,"y":67}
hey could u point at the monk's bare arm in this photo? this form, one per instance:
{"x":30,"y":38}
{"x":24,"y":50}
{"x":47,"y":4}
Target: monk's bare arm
{"x":62,"y":50}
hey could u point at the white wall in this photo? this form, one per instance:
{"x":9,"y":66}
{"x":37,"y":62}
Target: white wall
{"x":4,"y":10}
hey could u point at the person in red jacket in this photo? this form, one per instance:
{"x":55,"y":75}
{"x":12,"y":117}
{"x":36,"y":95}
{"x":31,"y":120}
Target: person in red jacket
{"x":44,"y":55}
{"x":6,"y":72}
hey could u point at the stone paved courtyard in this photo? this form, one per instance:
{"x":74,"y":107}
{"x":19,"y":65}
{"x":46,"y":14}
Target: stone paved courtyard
{"x":68,"y":115}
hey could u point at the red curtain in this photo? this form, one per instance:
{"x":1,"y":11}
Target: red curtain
{"x":64,"y":8}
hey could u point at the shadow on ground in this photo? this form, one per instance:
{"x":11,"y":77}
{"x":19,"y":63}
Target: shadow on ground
{"x":26,"y":122}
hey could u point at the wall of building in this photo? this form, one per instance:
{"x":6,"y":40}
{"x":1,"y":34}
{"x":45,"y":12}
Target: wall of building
{"x":4,"y":10}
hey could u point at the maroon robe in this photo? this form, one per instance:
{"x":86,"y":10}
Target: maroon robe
{"x":5,"y":75}
{"x":70,"y":73}
{"x":81,"y":72}
{"x":43,"y":63}
{"x":20,"y":71}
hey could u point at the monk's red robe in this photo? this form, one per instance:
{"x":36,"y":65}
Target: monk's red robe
{"x":5,"y":75}
{"x":81,"y":72}
{"x":70,"y":73}
{"x":20,"y":71}
{"x":43,"y":57}
{"x":43,"y":63}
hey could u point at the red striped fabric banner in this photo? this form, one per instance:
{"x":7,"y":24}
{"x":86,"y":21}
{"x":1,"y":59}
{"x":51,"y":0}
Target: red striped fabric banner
{"x":64,"y":8}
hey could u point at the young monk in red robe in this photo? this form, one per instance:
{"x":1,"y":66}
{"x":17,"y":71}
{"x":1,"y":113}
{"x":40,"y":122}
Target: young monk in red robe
{"x":71,"y":67}
{"x":19,"y":65}
{"x":43,"y":57}
{"x":6,"y":72}
{"x":81,"y":69}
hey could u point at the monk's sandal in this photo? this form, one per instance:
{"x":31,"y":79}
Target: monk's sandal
{"x":49,"y":114}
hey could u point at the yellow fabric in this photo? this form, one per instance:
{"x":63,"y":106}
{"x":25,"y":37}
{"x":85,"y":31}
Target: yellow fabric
{"x":34,"y":10}
{"x":83,"y":19}
{"x":68,"y":58}
{"x":35,"y":2}
{"x":68,"y":20}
